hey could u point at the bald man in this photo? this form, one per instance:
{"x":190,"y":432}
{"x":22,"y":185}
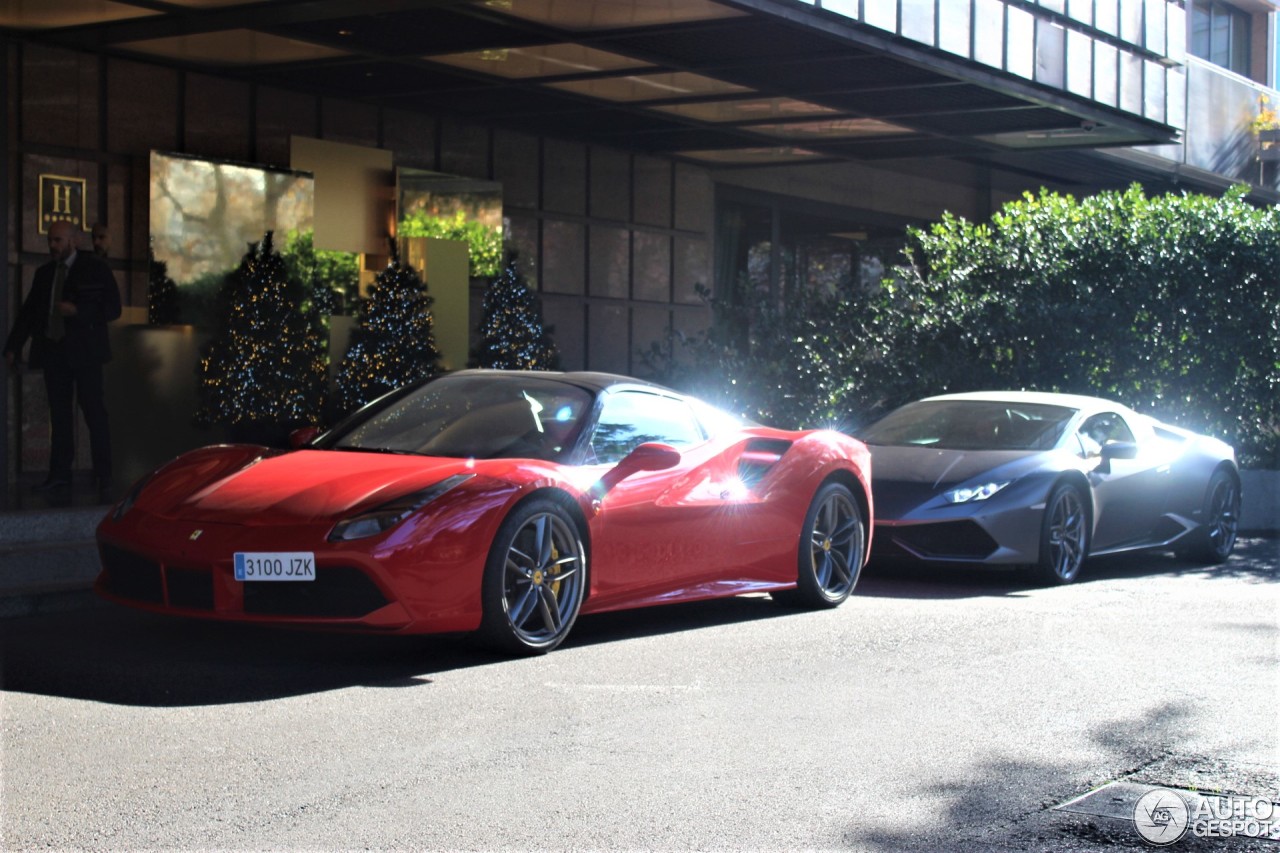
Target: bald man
{"x":65,"y":317}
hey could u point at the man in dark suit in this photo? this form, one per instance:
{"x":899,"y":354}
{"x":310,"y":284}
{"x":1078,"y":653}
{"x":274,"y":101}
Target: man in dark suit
{"x":65,"y":316}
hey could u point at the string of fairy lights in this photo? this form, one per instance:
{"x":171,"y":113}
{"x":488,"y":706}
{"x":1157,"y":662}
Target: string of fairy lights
{"x":268,"y":360}
{"x":393,"y":342}
{"x":512,"y":336}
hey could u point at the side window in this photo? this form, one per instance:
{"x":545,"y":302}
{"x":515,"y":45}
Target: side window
{"x":631,"y":418}
{"x":1103,"y":429}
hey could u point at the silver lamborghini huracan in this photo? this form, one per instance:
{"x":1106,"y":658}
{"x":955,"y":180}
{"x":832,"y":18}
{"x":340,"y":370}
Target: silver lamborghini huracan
{"x":1045,"y":480}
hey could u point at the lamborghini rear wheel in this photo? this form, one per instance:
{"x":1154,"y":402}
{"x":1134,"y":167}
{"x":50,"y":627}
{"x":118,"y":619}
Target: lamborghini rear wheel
{"x":1214,"y":541}
{"x":534,"y":579}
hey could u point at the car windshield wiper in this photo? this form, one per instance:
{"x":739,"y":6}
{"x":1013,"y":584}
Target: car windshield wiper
{"x":375,"y":450}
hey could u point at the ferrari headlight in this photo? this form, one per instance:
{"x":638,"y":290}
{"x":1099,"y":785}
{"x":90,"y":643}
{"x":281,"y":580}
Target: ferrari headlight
{"x":390,"y":514}
{"x":975,"y":493}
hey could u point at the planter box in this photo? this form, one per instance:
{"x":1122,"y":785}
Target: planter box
{"x":1269,"y":145}
{"x":1260,"y":510}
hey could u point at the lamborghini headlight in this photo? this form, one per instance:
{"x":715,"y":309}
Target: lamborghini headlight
{"x":975,"y":493}
{"x":390,"y":514}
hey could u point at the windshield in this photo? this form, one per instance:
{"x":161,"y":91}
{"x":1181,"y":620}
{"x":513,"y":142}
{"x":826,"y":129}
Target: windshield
{"x":469,"y":416}
{"x":971,"y":425}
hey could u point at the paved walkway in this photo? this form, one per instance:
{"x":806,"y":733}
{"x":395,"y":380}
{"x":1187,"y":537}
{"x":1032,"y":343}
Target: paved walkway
{"x":48,"y":558}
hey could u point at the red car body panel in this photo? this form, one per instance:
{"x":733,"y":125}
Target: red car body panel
{"x":695,"y":531}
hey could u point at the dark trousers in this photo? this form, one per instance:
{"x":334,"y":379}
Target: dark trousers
{"x":65,"y":384}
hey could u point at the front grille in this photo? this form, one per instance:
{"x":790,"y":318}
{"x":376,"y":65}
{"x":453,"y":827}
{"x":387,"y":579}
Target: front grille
{"x":190,"y":588}
{"x":956,"y":540}
{"x":131,"y":576}
{"x":337,"y":592}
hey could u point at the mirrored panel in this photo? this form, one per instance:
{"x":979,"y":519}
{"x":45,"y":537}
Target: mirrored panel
{"x":204,"y":215}
{"x":452,"y":207}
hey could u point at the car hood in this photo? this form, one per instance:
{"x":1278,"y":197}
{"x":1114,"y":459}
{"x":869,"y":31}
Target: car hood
{"x":938,"y":468}
{"x":235,"y":484}
{"x":903,"y":478}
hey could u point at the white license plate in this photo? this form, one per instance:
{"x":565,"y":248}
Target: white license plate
{"x":275,"y":566}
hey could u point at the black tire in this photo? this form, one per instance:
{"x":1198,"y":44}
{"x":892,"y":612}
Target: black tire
{"x":534,"y":580}
{"x":1213,"y":542}
{"x":1064,"y":536}
{"x":832,"y":544}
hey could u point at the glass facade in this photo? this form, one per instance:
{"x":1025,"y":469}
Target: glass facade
{"x":783,"y":248}
{"x":1221,"y":34}
{"x":1122,"y":53}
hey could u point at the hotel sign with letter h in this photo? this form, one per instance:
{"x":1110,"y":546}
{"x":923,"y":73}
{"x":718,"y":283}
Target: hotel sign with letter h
{"x":61,"y":200}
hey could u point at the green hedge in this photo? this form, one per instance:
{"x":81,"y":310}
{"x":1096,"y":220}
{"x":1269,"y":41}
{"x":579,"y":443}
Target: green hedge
{"x":484,"y":243}
{"x":1169,"y":304}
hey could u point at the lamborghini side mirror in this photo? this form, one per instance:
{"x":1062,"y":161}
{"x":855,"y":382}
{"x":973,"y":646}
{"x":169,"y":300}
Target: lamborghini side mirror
{"x":1116,"y":450}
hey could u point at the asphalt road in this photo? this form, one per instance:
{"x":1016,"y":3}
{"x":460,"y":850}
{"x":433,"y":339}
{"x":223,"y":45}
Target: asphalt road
{"x":933,"y":711}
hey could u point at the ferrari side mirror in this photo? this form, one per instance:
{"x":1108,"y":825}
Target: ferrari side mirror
{"x":302,"y":436}
{"x":650,"y":456}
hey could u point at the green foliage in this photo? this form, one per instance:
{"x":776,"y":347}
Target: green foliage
{"x":512,"y":336}
{"x":1169,"y":304}
{"x":267,"y":363}
{"x":333,"y":278}
{"x":393,"y":342}
{"x":766,"y":359}
{"x":484,"y":244}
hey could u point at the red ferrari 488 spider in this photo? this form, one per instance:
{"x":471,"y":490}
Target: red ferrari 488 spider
{"x":501,"y":502}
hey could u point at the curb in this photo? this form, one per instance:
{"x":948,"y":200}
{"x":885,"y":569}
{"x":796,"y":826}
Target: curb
{"x":47,"y":602}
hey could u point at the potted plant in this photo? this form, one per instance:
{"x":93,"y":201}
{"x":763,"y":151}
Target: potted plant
{"x":1266,"y":126}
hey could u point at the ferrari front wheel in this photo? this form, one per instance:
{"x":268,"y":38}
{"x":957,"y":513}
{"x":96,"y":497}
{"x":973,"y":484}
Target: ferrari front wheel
{"x":1064,"y":536}
{"x":534,"y":580}
{"x":832,"y":542}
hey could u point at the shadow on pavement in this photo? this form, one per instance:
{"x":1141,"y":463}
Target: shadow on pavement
{"x":1255,"y":559}
{"x":1012,"y":804}
{"x":116,"y":655}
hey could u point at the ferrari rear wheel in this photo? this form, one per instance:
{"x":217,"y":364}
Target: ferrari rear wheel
{"x":534,"y":579}
{"x":1064,"y":536}
{"x":1213,"y":542}
{"x":832,"y":542}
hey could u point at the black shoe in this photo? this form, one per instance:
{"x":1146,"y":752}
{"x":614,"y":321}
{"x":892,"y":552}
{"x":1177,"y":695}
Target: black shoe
{"x":52,"y":483}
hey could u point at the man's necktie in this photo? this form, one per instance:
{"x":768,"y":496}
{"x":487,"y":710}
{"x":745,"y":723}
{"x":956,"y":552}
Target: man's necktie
{"x":57,"y":328}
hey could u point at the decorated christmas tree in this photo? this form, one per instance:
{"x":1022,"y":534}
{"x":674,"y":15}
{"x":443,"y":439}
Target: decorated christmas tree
{"x":512,"y":336}
{"x":266,"y":367}
{"x":162,"y":293}
{"x":393,"y":342}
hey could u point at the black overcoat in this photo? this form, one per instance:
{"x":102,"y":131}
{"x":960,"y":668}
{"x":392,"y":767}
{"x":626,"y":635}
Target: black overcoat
{"x":91,"y":287}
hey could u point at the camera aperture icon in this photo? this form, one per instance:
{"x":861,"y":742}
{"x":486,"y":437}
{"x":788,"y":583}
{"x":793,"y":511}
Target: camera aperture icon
{"x":1161,"y":816}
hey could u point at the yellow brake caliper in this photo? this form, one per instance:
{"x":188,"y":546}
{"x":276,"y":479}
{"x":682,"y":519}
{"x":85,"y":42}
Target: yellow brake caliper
{"x":555,"y":570}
